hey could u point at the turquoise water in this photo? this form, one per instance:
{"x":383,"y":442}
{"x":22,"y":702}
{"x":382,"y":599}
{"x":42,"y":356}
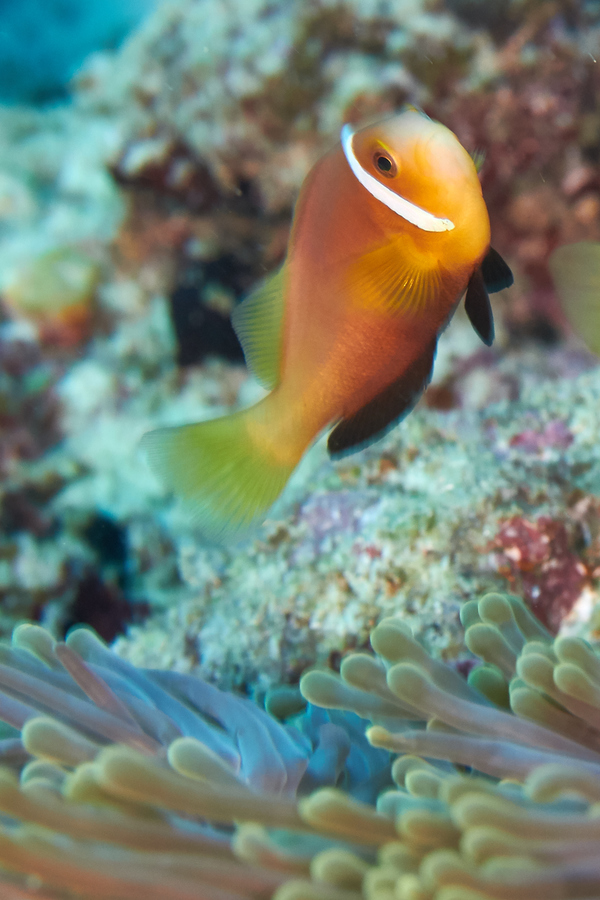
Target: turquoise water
{"x":43,"y":44}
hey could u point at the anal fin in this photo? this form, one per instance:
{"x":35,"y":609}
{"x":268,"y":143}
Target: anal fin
{"x":479,"y":309}
{"x":385,"y":410}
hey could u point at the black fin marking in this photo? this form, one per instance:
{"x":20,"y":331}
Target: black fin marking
{"x":496,"y":273}
{"x":478,"y":308}
{"x":385,"y":410}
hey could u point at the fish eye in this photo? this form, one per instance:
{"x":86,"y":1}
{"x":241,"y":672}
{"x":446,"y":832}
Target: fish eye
{"x":385,"y":164}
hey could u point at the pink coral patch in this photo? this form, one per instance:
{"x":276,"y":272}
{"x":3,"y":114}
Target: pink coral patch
{"x":539,"y":562}
{"x":555,"y":434}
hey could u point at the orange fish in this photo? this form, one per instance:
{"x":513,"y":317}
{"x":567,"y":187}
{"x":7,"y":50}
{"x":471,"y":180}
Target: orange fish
{"x":390,"y":230}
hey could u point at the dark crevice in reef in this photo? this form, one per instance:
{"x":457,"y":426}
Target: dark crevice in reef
{"x":202,"y":330}
{"x":104,"y":607}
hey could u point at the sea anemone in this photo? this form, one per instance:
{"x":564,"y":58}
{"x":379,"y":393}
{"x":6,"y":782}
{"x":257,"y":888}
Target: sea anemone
{"x":496,"y":796}
{"x":122,"y":783}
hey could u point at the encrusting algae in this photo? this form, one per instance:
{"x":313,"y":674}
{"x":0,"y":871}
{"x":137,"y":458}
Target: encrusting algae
{"x":124,"y":783}
{"x":56,"y":292}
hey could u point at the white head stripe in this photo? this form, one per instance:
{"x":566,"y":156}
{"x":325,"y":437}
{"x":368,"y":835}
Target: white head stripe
{"x":424,"y":220}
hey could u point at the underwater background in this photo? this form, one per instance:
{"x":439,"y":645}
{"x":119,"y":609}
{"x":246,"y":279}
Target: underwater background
{"x":149,"y":193}
{"x":151,"y":152}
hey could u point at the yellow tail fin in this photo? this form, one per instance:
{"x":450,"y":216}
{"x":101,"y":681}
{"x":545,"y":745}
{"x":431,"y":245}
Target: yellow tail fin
{"x":225,"y":480}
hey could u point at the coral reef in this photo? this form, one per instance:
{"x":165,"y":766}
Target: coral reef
{"x":56,"y":291}
{"x":413,"y":525}
{"x":226,"y":113}
{"x":149,"y":771}
{"x":173,"y":168}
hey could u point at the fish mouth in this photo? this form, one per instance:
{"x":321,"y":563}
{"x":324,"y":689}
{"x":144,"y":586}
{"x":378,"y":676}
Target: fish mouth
{"x":416,"y":215}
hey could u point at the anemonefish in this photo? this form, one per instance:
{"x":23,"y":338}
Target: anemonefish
{"x":389,"y":232}
{"x":575,"y":269}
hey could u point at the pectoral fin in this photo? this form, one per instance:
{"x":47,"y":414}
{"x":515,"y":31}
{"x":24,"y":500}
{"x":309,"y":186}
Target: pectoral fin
{"x":478,"y":308}
{"x":496,"y":273}
{"x":385,"y":410}
{"x":258,"y":322}
{"x":392,"y":279}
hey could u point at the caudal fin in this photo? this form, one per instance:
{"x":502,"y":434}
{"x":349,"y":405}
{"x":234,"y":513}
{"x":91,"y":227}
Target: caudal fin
{"x":221,"y":475}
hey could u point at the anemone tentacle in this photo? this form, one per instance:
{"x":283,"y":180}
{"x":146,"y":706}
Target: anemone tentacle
{"x":121,"y":783}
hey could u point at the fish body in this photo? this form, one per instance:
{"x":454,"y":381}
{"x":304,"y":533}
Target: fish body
{"x":389,"y":231}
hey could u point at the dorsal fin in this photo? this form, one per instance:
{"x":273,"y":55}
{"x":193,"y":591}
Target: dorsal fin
{"x":385,"y":410}
{"x":496,"y":273}
{"x":478,"y":308}
{"x":392,"y":279}
{"x":258,"y":322}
